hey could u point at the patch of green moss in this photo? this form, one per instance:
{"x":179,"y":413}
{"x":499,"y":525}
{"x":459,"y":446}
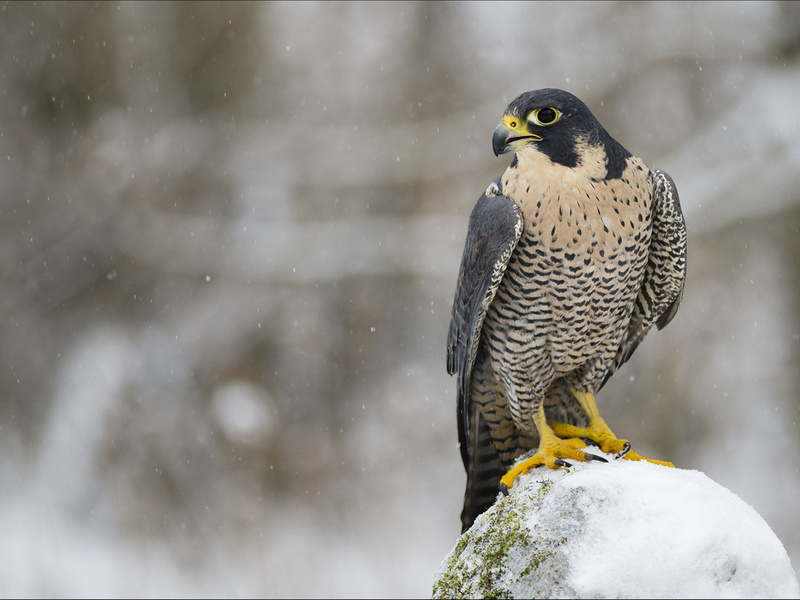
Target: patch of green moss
{"x":505,"y":532}
{"x":478,"y":565}
{"x":450,"y":581}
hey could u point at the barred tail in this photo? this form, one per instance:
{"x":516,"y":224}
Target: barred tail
{"x":483,"y":473}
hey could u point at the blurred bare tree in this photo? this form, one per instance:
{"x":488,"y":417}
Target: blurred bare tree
{"x":230,"y":238}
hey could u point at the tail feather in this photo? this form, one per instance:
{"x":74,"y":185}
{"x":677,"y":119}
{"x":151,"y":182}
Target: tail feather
{"x":483,"y":473}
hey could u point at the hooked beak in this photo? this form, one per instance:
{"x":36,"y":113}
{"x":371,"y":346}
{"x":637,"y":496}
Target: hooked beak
{"x":510,"y":134}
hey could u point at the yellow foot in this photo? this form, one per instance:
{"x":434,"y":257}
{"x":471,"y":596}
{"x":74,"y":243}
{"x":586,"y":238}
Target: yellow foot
{"x":550,"y":454}
{"x":634,"y":456}
{"x":603,"y":437}
{"x":558,"y":441}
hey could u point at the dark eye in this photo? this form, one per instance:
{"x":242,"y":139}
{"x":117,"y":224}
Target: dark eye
{"x":546,"y":116}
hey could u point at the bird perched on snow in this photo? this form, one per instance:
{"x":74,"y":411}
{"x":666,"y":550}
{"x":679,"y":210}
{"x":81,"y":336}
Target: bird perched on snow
{"x":571,"y":256}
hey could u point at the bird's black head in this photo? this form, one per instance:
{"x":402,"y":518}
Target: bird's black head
{"x":559,"y":126}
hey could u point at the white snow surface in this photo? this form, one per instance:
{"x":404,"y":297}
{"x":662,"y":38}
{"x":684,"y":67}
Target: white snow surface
{"x":623,"y":529}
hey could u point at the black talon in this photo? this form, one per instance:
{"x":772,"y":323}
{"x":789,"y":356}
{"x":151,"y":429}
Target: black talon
{"x":503,"y":489}
{"x":594,"y":457}
{"x":625,"y":449}
{"x":590,"y":442}
{"x":561,"y":463}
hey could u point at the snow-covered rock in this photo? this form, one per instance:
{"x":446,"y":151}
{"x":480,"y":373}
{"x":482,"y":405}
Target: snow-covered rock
{"x":618,"y":530}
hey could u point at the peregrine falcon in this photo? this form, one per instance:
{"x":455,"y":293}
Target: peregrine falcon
{"x":571,"y":256}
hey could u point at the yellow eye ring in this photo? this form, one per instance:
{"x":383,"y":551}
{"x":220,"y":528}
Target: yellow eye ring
{"x":544,"y":116}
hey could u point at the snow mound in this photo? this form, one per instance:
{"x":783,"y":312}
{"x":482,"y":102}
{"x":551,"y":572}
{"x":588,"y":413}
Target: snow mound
{"x":618,"y":530}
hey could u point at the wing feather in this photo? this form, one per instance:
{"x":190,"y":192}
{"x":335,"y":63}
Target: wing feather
{"x":495,"y":226}
{"x":665,"y":273}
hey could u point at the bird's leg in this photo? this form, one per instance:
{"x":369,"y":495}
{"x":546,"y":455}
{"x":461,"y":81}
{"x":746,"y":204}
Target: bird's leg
{"x":598,"y":431}
{"x":551,"y":453}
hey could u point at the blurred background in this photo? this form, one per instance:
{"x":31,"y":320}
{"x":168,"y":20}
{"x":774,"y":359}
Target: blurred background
{"x":230,"y":239}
